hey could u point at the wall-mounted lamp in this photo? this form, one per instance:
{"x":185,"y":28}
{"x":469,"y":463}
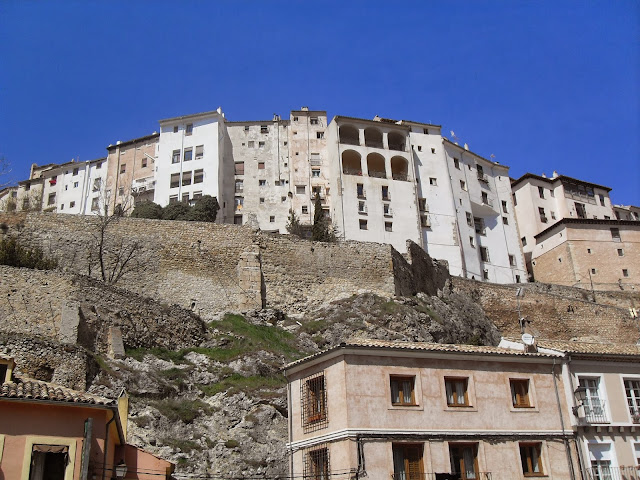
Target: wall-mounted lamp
{"x":581,"y":397}
{"x":121,"y":469}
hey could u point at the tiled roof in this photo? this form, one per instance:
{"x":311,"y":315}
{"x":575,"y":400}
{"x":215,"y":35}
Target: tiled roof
{"x":35,"y":390}
{"x":591,"y":348}
{"x":422,"y":346}
{"x":586,"y":221}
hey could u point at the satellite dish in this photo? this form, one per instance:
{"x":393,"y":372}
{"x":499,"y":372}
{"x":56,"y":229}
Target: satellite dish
{"x":527,"y":339}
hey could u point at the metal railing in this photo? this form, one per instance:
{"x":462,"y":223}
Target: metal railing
{"x":483,"y":178}
{"x":612,"y":473}
{"x":377,"y":174}
{"x":400,"y":147}
{"x":595,"y":413}
{"x":400,"y":176}
{"x":352,"y":171}
{"x":443,"y":476}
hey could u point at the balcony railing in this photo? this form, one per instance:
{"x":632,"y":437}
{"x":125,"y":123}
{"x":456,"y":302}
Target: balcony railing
{"x":483,"y":178}
{"x":595,"y":413}
{"x":612,"y":473}
{"x":444,"y":476}
{"x":377,"y":174}
{"x":352,"y":171}
{"x":400,"y":176}
{"x":350,"y":140}
{"x":397,"y":146}
{"x":373,"y":143}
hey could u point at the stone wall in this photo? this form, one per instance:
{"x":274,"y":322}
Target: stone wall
{"x":556,"y":312}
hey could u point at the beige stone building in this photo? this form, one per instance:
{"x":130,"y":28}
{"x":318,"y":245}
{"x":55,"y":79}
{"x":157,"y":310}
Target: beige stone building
{"x":627,"y":212}
{"x":598,"y":254}
{"x":421,"y":411}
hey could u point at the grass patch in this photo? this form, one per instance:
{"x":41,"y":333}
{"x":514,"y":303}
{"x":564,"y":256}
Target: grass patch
{"x":181,"y":409}
{"x":314,"y":326}
{"x":390,"y":307}
{"x":231,"y":443}
{"x":174,"y":374}
{"x":236,"y":383}
{"x":430,"y":312}
{"x":161,"y":353}
{"x":185,"y":446}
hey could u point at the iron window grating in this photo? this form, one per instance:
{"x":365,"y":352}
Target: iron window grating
{"x":313,"y":396}
{"x":316,"y":462}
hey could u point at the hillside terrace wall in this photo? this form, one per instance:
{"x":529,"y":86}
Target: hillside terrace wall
{"x":196,"y":265}
{"x":555,"y":312}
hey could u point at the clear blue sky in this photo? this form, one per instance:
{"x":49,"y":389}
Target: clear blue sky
{"x":544,"y":85}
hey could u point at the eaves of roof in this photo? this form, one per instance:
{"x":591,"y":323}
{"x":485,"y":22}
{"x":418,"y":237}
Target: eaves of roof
{"x":495,"y":164}
{"x":587,"y":221}
{"x":371,"y":122}
{"x":191,"y":116}
{"x":134,"y":140}
{"x":558,"y":178}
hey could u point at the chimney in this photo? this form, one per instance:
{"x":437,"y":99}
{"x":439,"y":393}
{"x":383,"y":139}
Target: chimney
{"x":466,"y":147}
{"x":555,"y":174}
{"x":304,"y":109}
{"x":544,"y":175}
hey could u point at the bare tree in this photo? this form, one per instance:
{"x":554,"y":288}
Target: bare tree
{"x":5,"y":171}
{"x":113,"y":256}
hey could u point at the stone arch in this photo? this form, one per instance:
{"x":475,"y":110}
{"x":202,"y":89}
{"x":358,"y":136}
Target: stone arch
{"x":375,"y":165}
{"x":396,"y":141}
{"x":373,"y":137}
{"x":399,"y":168}
{"x":349,"y":135}
{"x":351,"y":163}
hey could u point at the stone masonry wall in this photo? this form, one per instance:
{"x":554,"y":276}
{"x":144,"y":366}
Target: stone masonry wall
{"x":559,"y":313}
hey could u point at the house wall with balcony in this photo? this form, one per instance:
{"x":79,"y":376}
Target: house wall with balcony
{"x":373,"y":182}
{"x":579,"y":253}
{"x":260,"y":178}
{"x":360,"y":409}
{"x":180,"y":175}
{"x":309,"y":161}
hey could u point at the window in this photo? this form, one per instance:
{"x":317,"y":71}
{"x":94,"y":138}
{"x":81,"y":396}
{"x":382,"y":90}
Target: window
{"x":75,"y":184}
{"x":198,"y":176}
{"x":260,"y":144}
{"x":402,"y":390}
{"x":315,"y":172}
{"x":625,"y":272}
{"x":173,"y":199}
{"x":316,"y":465}
{"x":593,"y":271}
{"x":52,"y":199}
{"x":199,"y":152}
{"x":143,"y":162}
{"x":601,"y":199}
{"x":632,"y":390}
{"x":175,"y":156}
{"x":264,"y":129}
{"x":185,"y":197}
{"x":95,"y":204}
{"x":543,"y":217}
{"x":479,"y":226}
{"x":301,"y":189}
{"x":239,"y":186}
{"x":615,"y":234}
{"x":175,"y":129}
{"x":433,"y":181}
{"x":261,"y":199}
{"x":419,"y":148}
{"x":62,"y":207}
{"x":589,"y":251}
{"x":504,"y":206}
{"x":262,"y":183}
{"x":186,"y":178}
{"x":360,"y":190}
{"x":385,"y":192}
{"x":314,"y":400}
{"x":188,"y":154}
{"x":197,"y":195}
{"x":313,"y":121}
{"x":97,"y":184}
{"x":541,"y":192}
{"x":123,"y":167}
{"x":237,"y":219}
{"x":524,"y":241}
{"x":593,"y":405}
{"x":251,"y":144}
{"x":295,"y":119}
{"x":485,"y":198}
{"x":620,"y":252}
{"x":469,"y":219}
{"x":121,"y":191}
{"x":425,"y":131}
{"x":553,"y":215}
{"x":484,"y":254}
{"x":456,"y":163}
{"x":601,"y":461}
{"x":464,"y":460}
{"x":319,"y":135}
{"x":505,"y":221}
{"x":512,"y":260}
{"x":305,"y":209}
{"x":272,"y":219}
{"x":407,"y":461}
{"x":485,"y":274}
{"x":238,"y":202}
{"x":388,"y":226}
{"x":387,"y":210}
{"x":472,"y":242}
{"x":98,"y":166}
{"x":283,"y":199}
{"x":519,"y":392}
{"x":457,"y":395}
{"x":175,"y":180}
{"x":239,"y":168}
{"x":422,"y":204}
{"x":189,"y":129}
{"x":363,"y":224}
{"x":517,"y":278}
{"x":515,"y":202}
{"x":362,"y":207}
{"x":531,"y":458}
{"x":433,"y":150}
{"x":463,"y":185}
{"x":49,"y":461}
{"x":75,"y":171}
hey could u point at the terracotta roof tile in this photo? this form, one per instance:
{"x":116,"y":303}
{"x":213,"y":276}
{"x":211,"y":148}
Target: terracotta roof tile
{"x":591,"y":348}
{"x":23,"y":388}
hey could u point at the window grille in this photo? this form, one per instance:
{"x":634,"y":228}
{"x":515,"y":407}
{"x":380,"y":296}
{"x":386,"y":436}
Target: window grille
{"x":316,"y":463}
{"x":313,"y":395}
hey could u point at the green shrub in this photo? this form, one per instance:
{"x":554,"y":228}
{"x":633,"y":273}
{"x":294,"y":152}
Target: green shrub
{"x":238,"y":383}
{"x":231,"y":443}
{"x":14,"y":255}
{"x":147,"y":210}
{"x":180,"y":409}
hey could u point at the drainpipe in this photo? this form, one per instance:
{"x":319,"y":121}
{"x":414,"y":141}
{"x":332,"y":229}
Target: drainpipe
{"x":564,"y":439}
{"x":362,"y":469}
{"x":578,"y":449}
{"x":106,"y":446}
{"x":290,"y":422}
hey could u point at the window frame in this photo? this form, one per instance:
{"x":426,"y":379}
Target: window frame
{"x":520,"y":406}
{"x":406,"y":472}
{"x":453,"y":380}
{"x":460,"y":446}
{"x":314,"y":456}
{"x":399,"y":380}
{"x":313,"y":402}
{"x":525,"y":447}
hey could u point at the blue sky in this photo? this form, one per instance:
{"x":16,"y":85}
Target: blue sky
{"x":541,"y":85}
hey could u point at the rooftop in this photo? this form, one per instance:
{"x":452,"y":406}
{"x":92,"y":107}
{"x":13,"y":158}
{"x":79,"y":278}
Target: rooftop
{"x":587,"y":221}
{"x":591,"y":348}
{"x":23,"y":388}
{"x":193,"y":116}
{"x":134,"y":140}
{"x":557,"y":178}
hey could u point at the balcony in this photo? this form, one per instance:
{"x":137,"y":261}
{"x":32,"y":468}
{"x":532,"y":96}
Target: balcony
{"x":352,"y":171}
{"x":449,"y":476}
{"x":482,"y":178}
{"x":483,"y":205}
{"x":376,"y":174}
{"x":142,"y":185}
{"x":605,"y":472}
{"x":595,"y":413}
{"x":403,"y":177}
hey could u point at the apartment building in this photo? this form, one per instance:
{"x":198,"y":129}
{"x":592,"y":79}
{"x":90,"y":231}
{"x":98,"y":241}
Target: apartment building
{"x":540,"y":202}
{"x":130,"y":172}
{"x":191,"y":161}
{"x":627,"y":212}
{"x":602,"y":388}
{"x":410,"y":411}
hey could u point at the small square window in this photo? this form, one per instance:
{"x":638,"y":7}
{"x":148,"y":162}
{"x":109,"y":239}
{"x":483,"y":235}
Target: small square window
{"x":433,"y":150}
{"x":272,"y":219}
{"x":588,"y":250}
{"x":175,"y":129}
{"x":198,"y":176}
{"x":620,"y":252}
{"x":185,"y":197}
{"x":319,"y":135}
{"x":615,"y":234}
{"x":188,"y":154}
{"x":402,"y":390}
{"x":425,"y":131}
{"x":189,"y":129}
{"x":305,"y":209}
{"x":295,"y":119}
{"x":260,"y":144}
{"x":143,"y":163}
{"x":419,"y":148}
{"x":246,"y":128}
{"x":505,"y":220}
{"x":75,"y":171}
{"x":123,"y":167}
{"x":520,"y":393}
{"x":313,"y":121}
{"x":456,"y":389}
{"x":264,"y":129}
{"x":186,"y":178}
{"x":388,"y":226}
{"x":625,"y":272}
{"x":433,"y":181}
{"x":260,"y":165}
{"x":175,"y":156}
{"x":593,"y":271}
{"x":75,"y":184}
{"x":315,"y":172}
{"x":262,"y":183}
{"x":301,"y":189}
{"x":261,"y":199}
{"x":239,"y":168}
{"x":363,"y":224}
{"x":456,"y":163}
{"x":199,"y":151}
{"x":283,"y":199}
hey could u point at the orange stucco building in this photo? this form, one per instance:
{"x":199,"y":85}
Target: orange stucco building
{"x":49,"y":432}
